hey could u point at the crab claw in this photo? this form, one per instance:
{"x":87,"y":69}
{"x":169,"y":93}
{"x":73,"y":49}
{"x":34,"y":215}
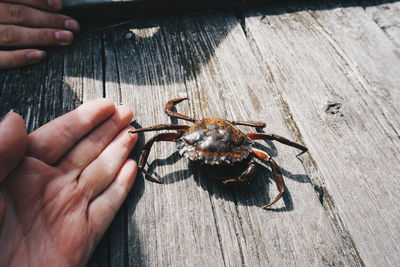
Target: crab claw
{"x":151,"y":177}
{"x":273,"y":201}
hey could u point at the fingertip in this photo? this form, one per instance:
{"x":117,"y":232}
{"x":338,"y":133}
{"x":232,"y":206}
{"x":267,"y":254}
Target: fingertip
{"x":35,"y":56}
{"x":133,"y":136}
{"x":13,"y":121}
{"x":64,"y":37}
{"x":10,"y":113}
{"x":20,"y":58}
{"x":14,"y":142}
{"x":72,"y":25}
{"x":103,"y":104}
{"x":125,"y":112}
{"x":32,"y":57}
{"x":47,"y":144}
{"x":101,"y":101}
{"x":55,"y":4}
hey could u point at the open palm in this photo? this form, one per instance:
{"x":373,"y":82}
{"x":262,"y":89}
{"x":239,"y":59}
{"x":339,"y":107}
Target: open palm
{"x":62,"y":185}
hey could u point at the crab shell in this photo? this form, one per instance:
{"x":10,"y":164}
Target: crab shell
{"x":214,"y":141}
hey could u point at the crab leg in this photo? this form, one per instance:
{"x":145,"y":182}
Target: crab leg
{"x":158,"y":127}
{"x":146,"y":151}
{"x":280,"y":139}
{"x":169,"y":110}
{"x":245,"y":177}
{"x":276,"y":172}
{"x":258,"y":124}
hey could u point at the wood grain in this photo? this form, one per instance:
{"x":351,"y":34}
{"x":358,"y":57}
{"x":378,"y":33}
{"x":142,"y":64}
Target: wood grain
{"x":261,"y":238}
{"x":324,"y":75}
{"x":194,"y":220}
{"x":331,"y":69}
{"x":386,"y":16}
{"x":168,"y":224}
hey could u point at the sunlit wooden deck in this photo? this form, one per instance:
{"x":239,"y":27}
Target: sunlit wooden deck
{"x":323,"y":74}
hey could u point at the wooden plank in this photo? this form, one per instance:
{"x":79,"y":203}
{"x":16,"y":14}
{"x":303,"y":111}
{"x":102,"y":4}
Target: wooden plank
{"x":168,"y":224}
{"x":337,"y":73}
{"x":83,"y":69}
{"x":249,"y":235}
{"x":25,"y":91}
{"x":193,"y":221}
{"x":45,"y":91}
{"x":387,"y":16}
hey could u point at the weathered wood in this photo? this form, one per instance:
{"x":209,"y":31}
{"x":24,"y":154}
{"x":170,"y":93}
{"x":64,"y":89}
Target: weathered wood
{"x":34,"y":92}
{"x":327,"y":78}
{"x":338,"y":75}
{"x":386,"y":15}
{"x":249,"y":235}
{"x":160,"y":230}
{"x":193,"y":220}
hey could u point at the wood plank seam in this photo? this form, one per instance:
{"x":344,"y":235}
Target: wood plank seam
{"x":193,"y":110}
{"x":311,"y":166}
{"x":217,"y":229}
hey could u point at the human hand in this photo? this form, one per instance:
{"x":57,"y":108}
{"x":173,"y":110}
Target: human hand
{"x":61,"y":186}
{"x":32,"y":23}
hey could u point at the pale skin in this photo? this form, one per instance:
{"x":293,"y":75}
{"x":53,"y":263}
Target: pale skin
{"x":26,"y":25}
{"x":61,"y":185}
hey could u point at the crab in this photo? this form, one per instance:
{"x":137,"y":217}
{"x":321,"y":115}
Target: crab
{"x":219,"y":144}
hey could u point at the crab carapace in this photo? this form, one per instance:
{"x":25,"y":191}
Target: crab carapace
{"x":217,"y":142}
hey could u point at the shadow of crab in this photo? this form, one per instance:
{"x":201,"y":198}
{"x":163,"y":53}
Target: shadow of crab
{"x":208,"y":177}
{"x":254,"y":193}
{"x":173,"y":176}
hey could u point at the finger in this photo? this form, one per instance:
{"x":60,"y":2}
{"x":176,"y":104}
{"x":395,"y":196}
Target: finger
{"x":51,"y":141}
{"x":101,"y":172}
{"x":27,"y":16}
{"x":93,"y":144}
{"x":103,"y":209}
{"x":19,"y":58}
{"x":11,"y":35}
{"x":13,"y":143}
{"x":53,"y":5}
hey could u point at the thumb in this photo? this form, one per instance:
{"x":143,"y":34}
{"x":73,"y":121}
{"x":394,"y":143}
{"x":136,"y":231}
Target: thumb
{"x":13,"y":143}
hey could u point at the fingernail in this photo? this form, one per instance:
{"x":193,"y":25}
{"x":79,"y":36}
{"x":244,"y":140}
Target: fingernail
{"x":55,"y":4}
{"x":65,"y":37}
{"x":36,"y":55}
{"x":72,"y":25}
